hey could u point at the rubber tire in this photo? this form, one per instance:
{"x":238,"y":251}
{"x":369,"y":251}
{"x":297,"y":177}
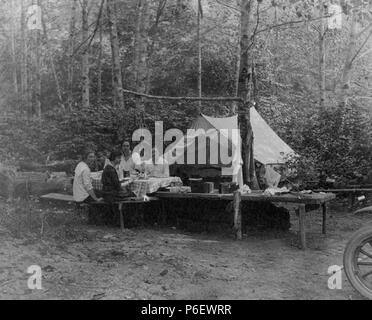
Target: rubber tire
{"x":357,"y":238}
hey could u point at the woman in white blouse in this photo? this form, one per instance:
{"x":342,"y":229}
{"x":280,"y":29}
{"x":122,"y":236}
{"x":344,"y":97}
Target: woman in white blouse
{"x":126,"y":163}
{"x":82,"y":186}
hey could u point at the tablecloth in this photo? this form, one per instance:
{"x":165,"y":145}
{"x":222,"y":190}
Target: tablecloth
{"x":142,"y":187}
{"x":96,"y":180}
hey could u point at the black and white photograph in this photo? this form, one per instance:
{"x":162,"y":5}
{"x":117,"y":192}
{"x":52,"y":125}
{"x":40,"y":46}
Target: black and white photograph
{"x":181,"y":155}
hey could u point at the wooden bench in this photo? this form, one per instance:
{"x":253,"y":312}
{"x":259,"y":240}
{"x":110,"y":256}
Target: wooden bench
{"x":69,"y":198}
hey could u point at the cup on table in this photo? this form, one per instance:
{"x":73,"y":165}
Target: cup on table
{"x":126,"y":174}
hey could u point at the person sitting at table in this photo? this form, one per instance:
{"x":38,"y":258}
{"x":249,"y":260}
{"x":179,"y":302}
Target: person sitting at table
{"x":126,"y":164}
{"x":82,"y":186}
{"x":112,"y":189}
{"x":158,"y":167}
{"x":102,"y":160}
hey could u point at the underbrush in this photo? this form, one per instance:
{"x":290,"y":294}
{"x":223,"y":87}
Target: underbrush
{"x":30,"y":218}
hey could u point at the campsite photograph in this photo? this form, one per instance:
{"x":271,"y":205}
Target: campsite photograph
{"x":194,"y":152}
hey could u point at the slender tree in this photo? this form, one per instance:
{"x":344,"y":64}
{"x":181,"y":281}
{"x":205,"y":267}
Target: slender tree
{"x":116,"y":64}
{"x":245,"y":91}
{"x":275,"y":47}
{"x":50,"y":58}
{"x":237,"y":71}
{"x":141,"y":45}
{"x":13,"y":46}
{"x":24,"y":67}
{"x":70,"y":63}
{"x":322,"y":62}
{"x":200,"y":16}
{"x":153,"y":39}
{"x":85,"y":67}
{"x":99,"y":62}
{"x":356,"y":42}
{"x":34,"y":24}
{"x":141,"y":55}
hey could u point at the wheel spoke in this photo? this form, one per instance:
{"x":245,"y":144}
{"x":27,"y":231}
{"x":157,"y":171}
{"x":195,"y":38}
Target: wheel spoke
{"x":364,"y":263}
{"x":366,"y":274}
{"x":369,"y":255}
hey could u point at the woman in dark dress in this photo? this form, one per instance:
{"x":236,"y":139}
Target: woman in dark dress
{"x":110,"y":181}
{"x":112,"y":188}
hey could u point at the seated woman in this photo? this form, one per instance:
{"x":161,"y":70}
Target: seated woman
{"x":102,"y":160}
{"x":82,"y":186}
{"x":127,"y":165}
{"x":112,"y":189}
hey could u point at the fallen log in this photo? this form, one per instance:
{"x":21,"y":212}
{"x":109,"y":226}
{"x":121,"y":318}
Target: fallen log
{"x":25,"y":184}
{"x":67,"y":166}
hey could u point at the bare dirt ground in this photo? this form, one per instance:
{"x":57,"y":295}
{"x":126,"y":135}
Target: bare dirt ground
{"x":84,"y":262}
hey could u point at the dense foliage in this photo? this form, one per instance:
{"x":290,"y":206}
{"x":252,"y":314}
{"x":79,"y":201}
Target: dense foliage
{"x":337,"y":139}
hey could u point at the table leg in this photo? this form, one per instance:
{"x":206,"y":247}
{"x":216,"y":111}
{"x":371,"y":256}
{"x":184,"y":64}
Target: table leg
{"x":121,"y":216}
{"x":351,"y":200}
{"x":324,"y":211}
{"x":237,"y":215}
{"x":208,"y":222}
{"x":302,"y":217}
{"x":142,"y":214}
{"x":163,"y":213}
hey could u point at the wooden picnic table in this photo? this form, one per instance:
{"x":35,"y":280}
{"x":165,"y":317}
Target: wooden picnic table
{"x":298,"y":199}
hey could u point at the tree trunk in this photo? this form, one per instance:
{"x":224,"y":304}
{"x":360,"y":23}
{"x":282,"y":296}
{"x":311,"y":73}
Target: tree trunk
{"x":141,"y":45}
{"x":35,"y":75}
{"x":275,"y":50}
{"x":234,"y":106}
{"x":344,"y":86}
{"x":99,"y":65}
{"x":322,"y":72}
{"x":85,"y":67}
{"x":70,"y":66}
{"x":116,"y":65}
{"x":245,"y":84}
{"x":153,"y":38}
{"x":137,"y":39}
{"x":141,"y":55}
{"x":199,"y":58}
{"x":24,"y":74}
{"x":38,"y":75}
{"x":52,"y":65}
{"x":13,"y":45}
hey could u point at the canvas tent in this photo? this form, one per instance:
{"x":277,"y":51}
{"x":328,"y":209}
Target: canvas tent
{"x":268,"y":147}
